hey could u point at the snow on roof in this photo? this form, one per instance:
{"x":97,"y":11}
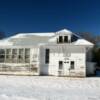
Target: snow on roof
{"x":48,"y":34}
{"x":83,"y":42}
{"x":44,"y":34}
{"x":5,"y":42}
{"x":80,"y":41}
{"x":22,"y":35}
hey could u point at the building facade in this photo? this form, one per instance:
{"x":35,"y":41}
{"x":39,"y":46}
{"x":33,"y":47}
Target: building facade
{"x":61,"y":53}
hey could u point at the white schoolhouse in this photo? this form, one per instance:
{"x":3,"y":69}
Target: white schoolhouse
{"x":61,"y":53}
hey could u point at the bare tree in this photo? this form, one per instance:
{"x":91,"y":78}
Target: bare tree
{"x":88,"y":36}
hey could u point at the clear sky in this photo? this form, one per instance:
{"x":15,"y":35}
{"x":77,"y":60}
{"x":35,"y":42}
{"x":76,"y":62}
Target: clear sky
{"x":49,"y":15}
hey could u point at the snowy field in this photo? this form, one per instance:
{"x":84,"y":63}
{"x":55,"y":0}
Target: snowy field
{"x":48,"y":88}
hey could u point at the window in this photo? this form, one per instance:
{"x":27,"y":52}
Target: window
{"x":2,"y":51}
{"x":27,"y":58}
{"x":14,"y":55}
{"x":21,"y":51}
{"x":8,"y":56}
{"x":2,"y":58}
{"x":60,"y":65}
{"x":27,"y":51}
{"x":60,"y":39}
{"x":27,"y":55}
{"x":73,"y":38}
{"x":14,"y":51}
{"x":47,"y":56}
{"x":72,"y":63}
{"x":8,"y":51}
{"x":2,"y":55}
{"x":21,"y":56}
{"x":65,"y":39}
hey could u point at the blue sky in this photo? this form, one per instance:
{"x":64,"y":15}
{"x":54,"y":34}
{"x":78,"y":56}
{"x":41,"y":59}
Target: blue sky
{"x":49,"y":15}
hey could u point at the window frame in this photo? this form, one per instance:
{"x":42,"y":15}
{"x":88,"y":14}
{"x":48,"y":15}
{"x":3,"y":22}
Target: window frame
{"x":60,"y":39}
{"x":66,"y":39}
{"x":72,"y":65}
{"x":47,"y":58}
{"x":60,"y":65}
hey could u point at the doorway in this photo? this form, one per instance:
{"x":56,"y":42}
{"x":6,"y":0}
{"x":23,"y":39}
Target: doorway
{"x":66,"y":67}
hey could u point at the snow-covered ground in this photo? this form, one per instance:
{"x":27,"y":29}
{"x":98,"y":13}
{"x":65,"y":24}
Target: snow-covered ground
{"x":48,"y":88}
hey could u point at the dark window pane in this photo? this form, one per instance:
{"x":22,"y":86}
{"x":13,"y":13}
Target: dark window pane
{"x":66,"y":39}
{"x":2,"y":51}
{"x":14,"y":51}
{"x":72,"y":65}
{"x":2,"y":58}
{"x":73,"y":38}
{"x":8,"y":51}
{"x":27,"y":51}
{"x":60,"y":65}
{"x":27,"y":55}
{"x":21,"y":51}
{"x":60,"y":39}
{"x":47,"y":56}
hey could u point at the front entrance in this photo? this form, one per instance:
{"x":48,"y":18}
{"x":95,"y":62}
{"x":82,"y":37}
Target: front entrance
{"x":65,"y":67}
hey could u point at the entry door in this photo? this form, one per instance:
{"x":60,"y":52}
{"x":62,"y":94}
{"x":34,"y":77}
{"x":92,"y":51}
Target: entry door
{"x":66,"y":67}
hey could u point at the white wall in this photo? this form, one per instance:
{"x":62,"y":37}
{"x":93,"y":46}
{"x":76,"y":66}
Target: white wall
{"x":61,"y":53}
{"x":79,"y":59}
{"x":43,"y":67}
